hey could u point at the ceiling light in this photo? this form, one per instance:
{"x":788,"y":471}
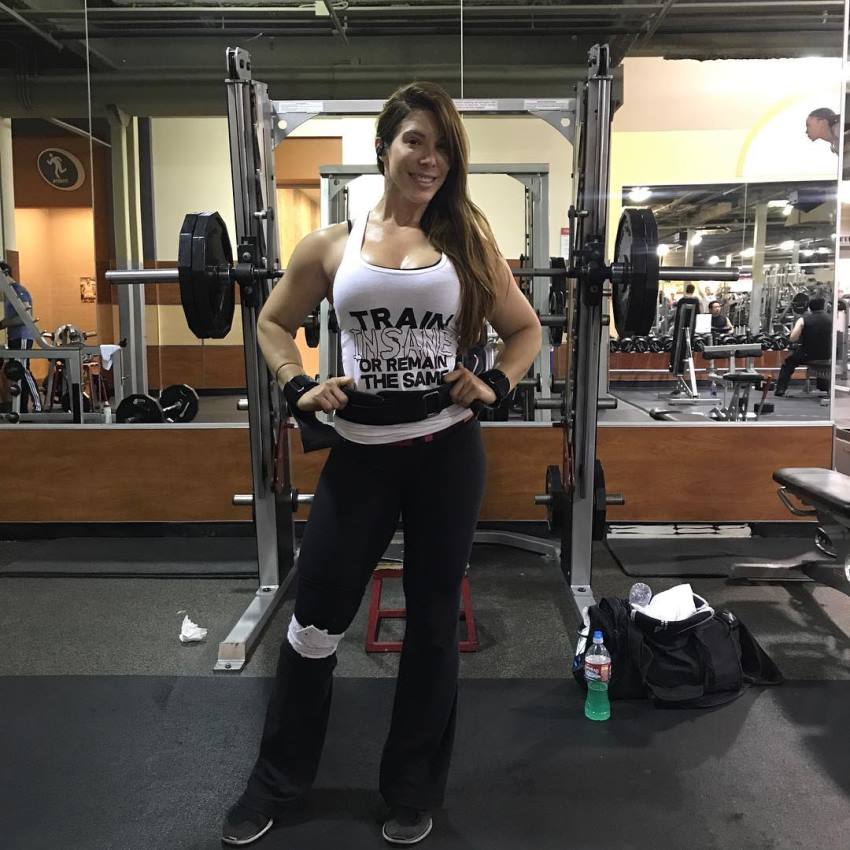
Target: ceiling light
{"x":823,"y":250}
{"x":787,"y":209}
{"x":696,"y":239}
{"x":806,"y":252}
{"x":713,"y":260}
{"x":748,"y":252}
{"x":787,"y":245}
{"x":662,"y":250}
{"x":640,"y":194}
{"x":777,"y":203}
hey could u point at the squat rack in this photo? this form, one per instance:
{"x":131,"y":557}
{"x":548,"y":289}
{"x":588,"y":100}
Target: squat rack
{"x":256,"y":124}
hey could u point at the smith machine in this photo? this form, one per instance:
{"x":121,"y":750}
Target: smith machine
{"x":209,"y":275}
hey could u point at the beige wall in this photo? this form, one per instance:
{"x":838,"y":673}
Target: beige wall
{"x":56,"y":250}
{"x":191,"y":173}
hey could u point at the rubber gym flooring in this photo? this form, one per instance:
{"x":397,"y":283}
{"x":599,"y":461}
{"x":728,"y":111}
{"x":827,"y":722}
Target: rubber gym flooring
{"x":118,"y":736}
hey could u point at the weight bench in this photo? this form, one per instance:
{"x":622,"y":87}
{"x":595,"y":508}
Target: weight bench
{"x":828,"y":494}
{"x":821,"y":371}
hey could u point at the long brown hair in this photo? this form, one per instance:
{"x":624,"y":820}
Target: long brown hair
{"x":452,"y":223}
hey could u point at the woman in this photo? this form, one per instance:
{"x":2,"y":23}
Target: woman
{"x":411,"y":283}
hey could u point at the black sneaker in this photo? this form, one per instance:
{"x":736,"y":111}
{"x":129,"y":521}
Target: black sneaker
{"x":243,"y":826}
{"x":407,"y":826}
{"x":778,"y":393}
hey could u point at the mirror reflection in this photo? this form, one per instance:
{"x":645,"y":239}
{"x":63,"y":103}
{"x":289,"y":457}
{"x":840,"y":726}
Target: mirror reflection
{"x":743,"y":349}
{"x":53,"y":183}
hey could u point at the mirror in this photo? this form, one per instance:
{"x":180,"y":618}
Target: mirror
{"x":52,"y":183}
{"x":780,"y":235}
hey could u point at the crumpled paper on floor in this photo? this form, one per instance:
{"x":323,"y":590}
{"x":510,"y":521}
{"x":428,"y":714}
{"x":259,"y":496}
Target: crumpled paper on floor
{"x":189,"y":631}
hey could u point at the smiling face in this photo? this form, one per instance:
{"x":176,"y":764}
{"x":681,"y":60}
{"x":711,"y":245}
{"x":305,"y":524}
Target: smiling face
{"x":416,"y":162}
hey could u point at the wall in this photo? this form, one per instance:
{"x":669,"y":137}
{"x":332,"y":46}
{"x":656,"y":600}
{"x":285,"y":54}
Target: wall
{"x":57,"y":249}
{"x":66,"y":237}
{"x":720,"y":121}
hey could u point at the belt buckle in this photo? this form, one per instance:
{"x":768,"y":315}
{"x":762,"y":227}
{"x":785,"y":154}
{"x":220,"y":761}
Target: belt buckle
{"x":426,"y":399}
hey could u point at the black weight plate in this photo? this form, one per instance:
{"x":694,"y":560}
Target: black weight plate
{"x":613,"y":345}
{"x":179,"y":403}
{"x":14,"y":370}
{"x":555,"y":489}
{"x":635,"y":297}
{"x":312,"y":330}
{"x":600,"y":505}
{"x":137,"y":409}
{"x":557,"y":307}
{"x":800,"y":302}
{"x":204,"y":260}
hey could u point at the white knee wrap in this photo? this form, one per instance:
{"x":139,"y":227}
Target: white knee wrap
{"x":311,"y":642}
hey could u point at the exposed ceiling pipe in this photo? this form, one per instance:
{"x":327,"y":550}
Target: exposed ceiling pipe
{"x":71,"y":128}
{"x":22,"y":20}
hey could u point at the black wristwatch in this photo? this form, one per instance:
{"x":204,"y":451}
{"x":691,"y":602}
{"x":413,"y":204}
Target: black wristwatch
{"x":498,"y":381}
{"x":296,"y":387}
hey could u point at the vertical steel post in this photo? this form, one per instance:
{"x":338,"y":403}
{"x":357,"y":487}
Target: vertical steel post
{"x":592,"y":201}
{"x":254,"y":199}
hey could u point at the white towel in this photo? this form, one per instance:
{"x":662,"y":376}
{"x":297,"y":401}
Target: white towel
{"x":107,"y":352}
{"x":671,"y":605}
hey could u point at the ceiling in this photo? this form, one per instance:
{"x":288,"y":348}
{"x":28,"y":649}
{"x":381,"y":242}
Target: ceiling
{"x":158,"y":57}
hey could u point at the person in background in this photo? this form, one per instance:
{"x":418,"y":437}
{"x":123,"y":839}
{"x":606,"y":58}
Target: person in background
{"x":690,"y":297}
{"x":20,"y":337}
{"x":719,"y":322}
{"x":822,"y":124}
{"x":813,"y":333}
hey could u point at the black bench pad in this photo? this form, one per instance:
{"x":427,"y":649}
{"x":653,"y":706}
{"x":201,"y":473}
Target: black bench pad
{"x":818,"y":487}
{"x":754,"y":378}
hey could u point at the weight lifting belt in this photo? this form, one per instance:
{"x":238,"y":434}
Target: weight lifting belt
{"x":394,"y":407}
{"x":388,"y":407}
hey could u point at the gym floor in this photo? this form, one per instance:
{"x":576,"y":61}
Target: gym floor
{"x":119,"y":736}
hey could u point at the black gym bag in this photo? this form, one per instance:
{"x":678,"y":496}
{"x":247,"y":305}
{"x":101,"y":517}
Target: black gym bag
{"x":703,"y":661}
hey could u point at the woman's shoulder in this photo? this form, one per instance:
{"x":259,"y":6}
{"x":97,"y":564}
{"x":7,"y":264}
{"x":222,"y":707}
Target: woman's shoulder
{"x":325,"y":245}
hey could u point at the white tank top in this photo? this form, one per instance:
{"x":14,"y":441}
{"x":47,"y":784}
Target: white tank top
{"x":398,"y":332}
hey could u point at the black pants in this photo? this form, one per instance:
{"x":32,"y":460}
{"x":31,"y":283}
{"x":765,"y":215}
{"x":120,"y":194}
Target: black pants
{"x":436,"y":488}
{"x":29,"y":390}
{"x":796,"y":358}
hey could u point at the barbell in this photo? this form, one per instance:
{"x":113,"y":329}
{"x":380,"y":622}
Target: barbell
{"x":207,"y":274}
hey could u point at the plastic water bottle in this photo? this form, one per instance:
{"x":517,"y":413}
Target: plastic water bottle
{"x":640,"y":595}
{"x":597,"y":674}
{"x":107,"y":414}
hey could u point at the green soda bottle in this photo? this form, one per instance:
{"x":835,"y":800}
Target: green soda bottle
{"x":597,"y":674}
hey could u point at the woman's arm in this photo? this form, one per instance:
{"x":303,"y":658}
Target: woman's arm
{"x":514,"y":319}
{"x":306,"y":283}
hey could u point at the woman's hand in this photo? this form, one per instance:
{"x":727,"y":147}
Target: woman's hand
{"x":468,"y":388}
{"x":327,"y":396}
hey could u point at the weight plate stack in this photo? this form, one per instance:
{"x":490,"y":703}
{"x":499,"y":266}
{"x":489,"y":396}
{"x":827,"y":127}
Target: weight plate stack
{"x":634,"y":298}
{"x":204,"y":263}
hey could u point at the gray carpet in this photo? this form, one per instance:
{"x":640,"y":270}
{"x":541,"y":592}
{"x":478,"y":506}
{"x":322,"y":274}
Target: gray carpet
{"x":117,"y":735}
{"x":138,"y":763}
